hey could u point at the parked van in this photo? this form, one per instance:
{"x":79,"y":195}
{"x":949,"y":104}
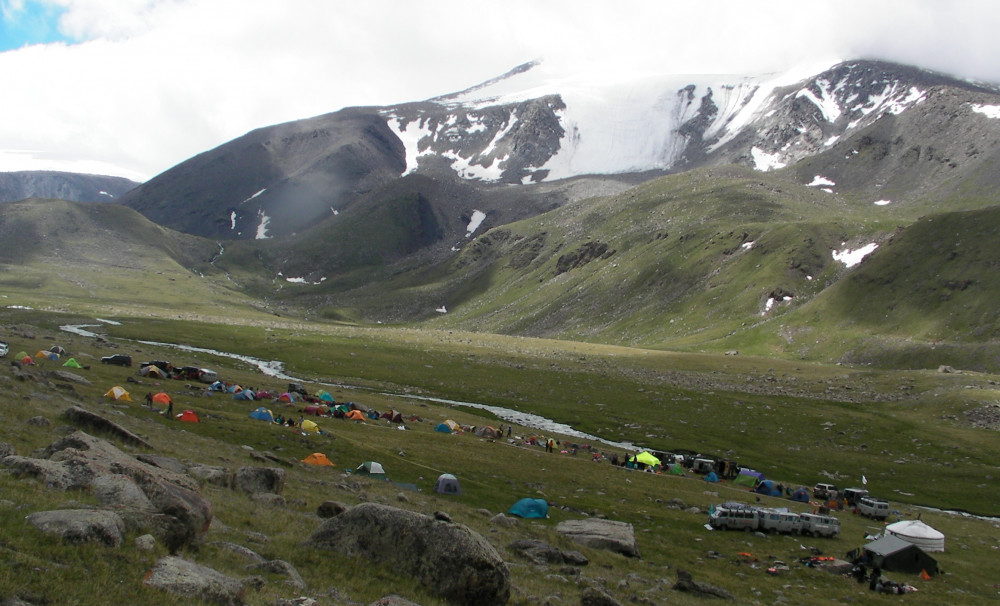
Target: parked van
{"x":819,"y":525}
{"x":735,"y":516}
{"x":703,"y":466}
{"x":824,"y":491}
{"x":774,"y":520}
{"x":871,"y":507}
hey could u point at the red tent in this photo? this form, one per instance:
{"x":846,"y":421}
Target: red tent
{"x":163,"y":398}
{"x":188,"y":416}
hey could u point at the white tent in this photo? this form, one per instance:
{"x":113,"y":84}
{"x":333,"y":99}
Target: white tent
{"x":918,"y":533}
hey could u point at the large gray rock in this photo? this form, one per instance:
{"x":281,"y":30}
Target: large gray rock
{"x":450,"y":559}
{"x":190,"y":580}
{"x":82,"y":417}
{"x":592,"y":596}
{"x":81,"y":525}
{"x":79,"y":460}
{"x":602,"y":534}
{"x":253,"y":480}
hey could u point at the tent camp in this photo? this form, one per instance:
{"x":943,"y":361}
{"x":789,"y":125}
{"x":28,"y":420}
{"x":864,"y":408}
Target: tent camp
{"x":188,"y":416}
{"x":310,"y":427}
{"x":72,"y":363}
{"x":896,"y":555}
{"x":317,"y":458}
{"x":918,"y":533}
{"x":371,"y":468}
{"x":118,"y":393}
{"x":530,"y":508}
{"x":447,"y":484}
{"x":262,"y":414}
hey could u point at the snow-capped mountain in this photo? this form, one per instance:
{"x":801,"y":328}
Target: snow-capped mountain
{"x":534,"y":125}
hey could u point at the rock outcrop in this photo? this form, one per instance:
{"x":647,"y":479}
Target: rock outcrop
{"x":450,"y":559}
{"x":602,"y":534}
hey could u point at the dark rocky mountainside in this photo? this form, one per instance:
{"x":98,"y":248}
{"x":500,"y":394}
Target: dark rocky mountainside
{"x":76,"y":187}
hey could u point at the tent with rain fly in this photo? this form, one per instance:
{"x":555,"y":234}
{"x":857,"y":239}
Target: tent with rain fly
{"x":118,"y":393}
{"x":315,"y":409}
{"x":58,"y":349}
{"x":748,"y":478}
{"x":447,"y":484}
{"x":712,"y":477}
{"x":355,"y":415}
{"x":371,"y":468}
{"x":318,"y":458}
{"x":769,"y":488}
{"x":530,"y":508}
{"x":896,"y":555}
{"x":286,"y":397}
{"x":162,"y":398}
{"x":309,"y":426}
{"x":676,"y":469}
{"x":487,"y":431}
{"x":245,"y":394}
{"x":217,"y":386}
{"x":188,"y":416}
{"x":800,"y":494}
{"x":393,"y":416}
{"x":324,"y":395}
{"x":263,"y":414}
{"x":647,"y":458}
{"x":72,"y":363}
{"x":46,"y":355}
{"x":27,"y":360}
{"x":152,"y":371}
{"x":234,"y":388}
{"x":918,"y":533}
{"x":443,"y":428}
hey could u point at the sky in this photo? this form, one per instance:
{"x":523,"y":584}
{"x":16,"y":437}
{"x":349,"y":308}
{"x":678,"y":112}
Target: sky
{"x":133,"y":87}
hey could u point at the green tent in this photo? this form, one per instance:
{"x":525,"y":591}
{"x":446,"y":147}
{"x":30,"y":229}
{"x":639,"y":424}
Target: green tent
{"x":744,"y":479}
{"x":677,"y":469}
{"x":72,"y":363}
{"x":371,"y":468}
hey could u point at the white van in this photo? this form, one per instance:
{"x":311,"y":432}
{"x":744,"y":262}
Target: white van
{"x":4,"y":348}
{"x":870,"y":507}
{"x":819,"y":525}
{"x":734,"y":516}
{"x":775,"y":520}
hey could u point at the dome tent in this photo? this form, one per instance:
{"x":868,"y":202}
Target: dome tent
{"x":447,"y":484}
{"x":530,"y":508}
{"x":918,"y":533}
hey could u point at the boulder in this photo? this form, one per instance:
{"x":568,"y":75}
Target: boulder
{"x":252,"y":480}
{"x":686,"y":584}
{"x":393,"y":600}
{"x":69,"y":377}
{"x":453,"y":561}
{"x":541,"y":552}
{"x":210,"y":474}
{"x":283,"y":568}
{"x":329,"y":509}
{"x":82,"y":417}
{"x":503,"y":521}
{"x":190,"y":580}
{"x":602,"y":534}
{"x":593,"y":596}
{"x":79,"y":460}
{"x":81,"y":525}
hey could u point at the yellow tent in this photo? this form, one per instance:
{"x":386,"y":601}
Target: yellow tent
{"x":453,"y":425}
{"x":309,"y":426}
{"x":118,"y":393}
{"x":317,"y":458}
{"x":647,"y":458}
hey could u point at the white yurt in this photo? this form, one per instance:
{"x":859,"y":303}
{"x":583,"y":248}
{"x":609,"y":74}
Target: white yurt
{"x":918,"y":533}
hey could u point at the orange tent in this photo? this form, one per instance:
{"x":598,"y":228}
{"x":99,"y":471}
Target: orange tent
{"x":356,"y":415}
{"x":317,"y":458}
{"x":188,"y":416}
{"x":163,"y":398}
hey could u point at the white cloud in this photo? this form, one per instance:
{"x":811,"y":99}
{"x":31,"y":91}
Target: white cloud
{"x":154,"y":82}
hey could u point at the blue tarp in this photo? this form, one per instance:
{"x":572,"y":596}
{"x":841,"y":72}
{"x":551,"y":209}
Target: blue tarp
{"x":530,"y":508}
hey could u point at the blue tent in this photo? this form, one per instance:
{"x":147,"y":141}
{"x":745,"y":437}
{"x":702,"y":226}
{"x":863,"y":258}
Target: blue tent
{"x":712,"y":477}
{"x":217,"y":386}
{"x":530,"y":508}
{"x":801,"y":495}
{"x":443,"y":428}
{"x":246,"y":394}
{"x":262,"y":414}
{"x":769,"y":488}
